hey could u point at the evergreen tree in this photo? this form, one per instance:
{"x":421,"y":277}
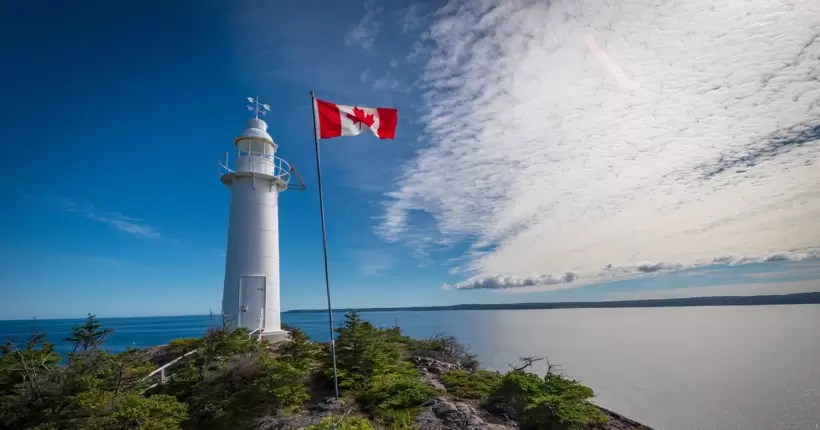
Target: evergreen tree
{"x":89,"y":335}
{"x":354,"y":348}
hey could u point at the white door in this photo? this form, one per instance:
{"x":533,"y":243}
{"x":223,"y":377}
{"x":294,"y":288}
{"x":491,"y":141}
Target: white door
{"x":251,"y":302}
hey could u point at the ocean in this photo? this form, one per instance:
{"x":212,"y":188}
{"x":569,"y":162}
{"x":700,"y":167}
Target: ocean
{"x":755,"y":367}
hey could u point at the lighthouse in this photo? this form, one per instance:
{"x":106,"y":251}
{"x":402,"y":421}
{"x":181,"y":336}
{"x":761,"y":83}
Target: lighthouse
{"x":250,"y":297}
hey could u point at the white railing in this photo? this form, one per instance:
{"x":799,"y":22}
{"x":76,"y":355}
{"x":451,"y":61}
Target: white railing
{"x":266,"y":163}
{"x":162,"y":370}
{"x":258,"y":331}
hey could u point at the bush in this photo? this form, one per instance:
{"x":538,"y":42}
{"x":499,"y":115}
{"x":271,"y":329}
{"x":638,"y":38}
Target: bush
{"x":224,"y":343}
{"x":394,"y":399}
{"x":374,"y":368}
{"x":106,"y":411}
{"x":184,"y":345}
{"x":246,"y":387}
{"x":346,"y":423}
{"x":93,"y":390}
{"x":364,"y":352}
{"x":470,"y":385}
{"x":300,"y":351}
{"x":551,"y":403}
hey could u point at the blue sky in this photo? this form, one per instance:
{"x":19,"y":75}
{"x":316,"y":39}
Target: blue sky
{"x":115,"y":114}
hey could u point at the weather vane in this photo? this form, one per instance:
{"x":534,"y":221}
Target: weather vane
{"x":255,"y":107}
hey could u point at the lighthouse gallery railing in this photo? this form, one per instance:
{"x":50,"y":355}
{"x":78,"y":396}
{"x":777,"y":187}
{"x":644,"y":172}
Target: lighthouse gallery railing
{"x":281,"y":168}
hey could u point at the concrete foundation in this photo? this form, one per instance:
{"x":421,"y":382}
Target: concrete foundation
{"x":276,"y":336}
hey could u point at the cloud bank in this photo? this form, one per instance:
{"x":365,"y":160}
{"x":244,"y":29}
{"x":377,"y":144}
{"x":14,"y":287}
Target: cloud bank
{"x":569,"y":136}
{"x":610,"y":272}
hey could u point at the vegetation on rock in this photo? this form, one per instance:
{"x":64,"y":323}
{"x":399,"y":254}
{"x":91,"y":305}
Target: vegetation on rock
{"x":233,"y":381}
{"x":471,"y":385}
{"x":344,"y":423}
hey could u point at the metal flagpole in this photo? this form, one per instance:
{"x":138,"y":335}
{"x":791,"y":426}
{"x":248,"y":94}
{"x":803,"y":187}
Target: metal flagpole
{"x":324,"y":245}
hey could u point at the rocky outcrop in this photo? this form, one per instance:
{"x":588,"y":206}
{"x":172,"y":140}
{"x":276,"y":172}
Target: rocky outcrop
{"x":427,"y":365}
{"x":431,"y":370}
{"x":620,"y":422}
{"x":312,"y":416}
{"x":450,"y":414}
{"x":445,"y":414}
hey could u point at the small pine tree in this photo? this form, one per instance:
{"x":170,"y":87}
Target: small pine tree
{"x":89,"y":335}
{"x":354,"y":348}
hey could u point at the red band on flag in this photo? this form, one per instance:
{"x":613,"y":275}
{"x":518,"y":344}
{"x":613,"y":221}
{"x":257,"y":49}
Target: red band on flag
{"x":387,"y":122}
{"x":330,"y":120}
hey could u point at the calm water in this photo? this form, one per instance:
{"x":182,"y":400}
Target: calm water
{"x":670,"y":368}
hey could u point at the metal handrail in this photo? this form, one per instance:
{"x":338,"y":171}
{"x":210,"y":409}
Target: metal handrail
{"x":281,"y":168}
{"x":161,"y":370}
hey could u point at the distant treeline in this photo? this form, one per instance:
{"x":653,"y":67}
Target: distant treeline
{"x":778,"y":299}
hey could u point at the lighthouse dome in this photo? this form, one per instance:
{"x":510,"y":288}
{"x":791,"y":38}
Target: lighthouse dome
{"x":255,"y":128}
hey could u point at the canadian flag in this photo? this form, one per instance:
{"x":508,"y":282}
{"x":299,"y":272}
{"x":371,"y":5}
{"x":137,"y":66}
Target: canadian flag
{"x":340,"y":120}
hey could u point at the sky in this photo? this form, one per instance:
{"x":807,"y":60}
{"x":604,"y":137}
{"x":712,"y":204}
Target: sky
{"x":545,"y":151}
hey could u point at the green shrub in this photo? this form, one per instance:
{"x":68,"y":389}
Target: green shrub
{"x":346,"y":423}
{"x":552,"y":412}
{"x":104,"y":410}
{"x":470,"y":385}
{"x":283,"y":386}
{"x":233,"y":392}
{"x":515,"y":392}
{"x":373,"y":367}
{"x":364,"y":352}
{"x":184,"y":345}
{"x":224,"y":343}
{"x":300,"y":351}
{"x":394,"y":399}
{"x":551,"y":403}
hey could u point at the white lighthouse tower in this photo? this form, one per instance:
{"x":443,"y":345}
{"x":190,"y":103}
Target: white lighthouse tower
{"x":250,"y":297}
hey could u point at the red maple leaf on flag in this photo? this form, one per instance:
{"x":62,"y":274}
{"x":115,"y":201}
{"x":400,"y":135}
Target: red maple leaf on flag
{"x":359,"y":117}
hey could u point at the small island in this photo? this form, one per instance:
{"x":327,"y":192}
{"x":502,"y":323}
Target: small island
{"x":233,"y":380}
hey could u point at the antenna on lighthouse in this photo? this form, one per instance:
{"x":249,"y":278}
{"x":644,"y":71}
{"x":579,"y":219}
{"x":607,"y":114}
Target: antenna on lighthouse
{"x":255,"y":107}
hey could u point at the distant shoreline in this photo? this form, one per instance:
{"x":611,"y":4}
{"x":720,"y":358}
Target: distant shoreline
{"x":776,"y":299}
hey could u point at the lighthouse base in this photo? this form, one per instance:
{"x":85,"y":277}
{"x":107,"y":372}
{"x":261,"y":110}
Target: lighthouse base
{"x":276,"y":336}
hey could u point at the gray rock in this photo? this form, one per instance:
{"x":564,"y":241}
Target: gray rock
{"x":330,"y":404}
{"x":433,"y":382}
{"x":444,"y":414}
{"x":314,"y":415}
{"x":433,"y":366}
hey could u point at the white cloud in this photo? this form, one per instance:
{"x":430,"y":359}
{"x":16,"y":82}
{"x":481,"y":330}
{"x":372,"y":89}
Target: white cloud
{"x":568,"y":136}
{"x":389,"y":83}
{"x":411,"y":20}
{"x":133,"y":226}
{"x":536,"y":282}
{"x":364,"y":33}
{"x":123,"y":223}
{"x":504,"y":282}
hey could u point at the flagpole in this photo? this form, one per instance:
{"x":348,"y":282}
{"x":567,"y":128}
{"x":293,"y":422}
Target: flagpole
{"x":324,"y":245}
